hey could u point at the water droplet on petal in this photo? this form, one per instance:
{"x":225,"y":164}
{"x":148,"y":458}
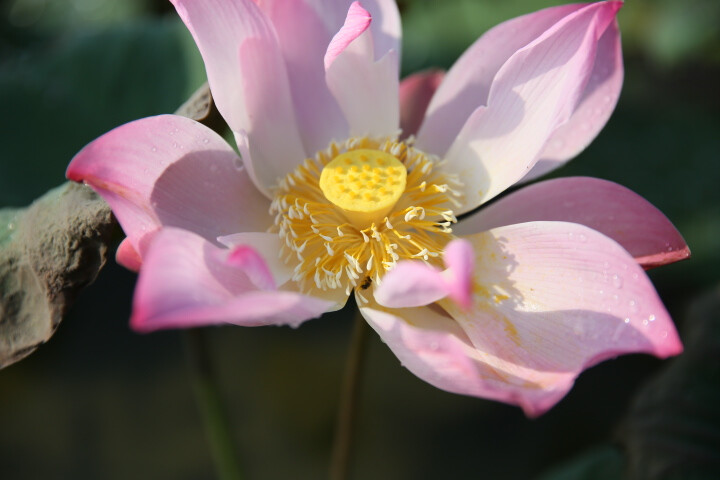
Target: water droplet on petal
{"x":206,"y":140}
{"x":617,"y":281}
{"x":633,"y":306}
{"x":154,"y":149}
{"x":627,"y":320}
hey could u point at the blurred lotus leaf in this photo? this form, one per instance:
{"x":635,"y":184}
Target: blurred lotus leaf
{"x":673,"y":429}
{"x":49,"y":251}
{"x":55,"y":247}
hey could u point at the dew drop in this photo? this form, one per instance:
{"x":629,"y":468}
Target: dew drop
{"x":651,"y":318}
{"x":627,"y":320}
{"x":154,"y":149}
{"x":645,"y":322}
{"x":617,"y":281}
{"x":582,"y":238}
{"x":633,"y":306}
{"x":11,"y":226}
{"x":206,"y":140}
{"x":607,"y":99}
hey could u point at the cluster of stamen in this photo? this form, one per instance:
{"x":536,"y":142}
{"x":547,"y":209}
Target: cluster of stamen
{"x":348,"y":215}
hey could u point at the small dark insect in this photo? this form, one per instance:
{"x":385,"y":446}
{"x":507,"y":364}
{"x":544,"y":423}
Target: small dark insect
{"x":366,"y":283}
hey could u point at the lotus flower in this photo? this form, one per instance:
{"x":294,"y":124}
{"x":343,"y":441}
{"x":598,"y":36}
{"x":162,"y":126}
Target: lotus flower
{"x":349,"y":182}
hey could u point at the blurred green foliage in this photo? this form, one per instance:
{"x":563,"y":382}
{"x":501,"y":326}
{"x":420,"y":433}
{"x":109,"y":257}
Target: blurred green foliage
{"x":101,"y":402}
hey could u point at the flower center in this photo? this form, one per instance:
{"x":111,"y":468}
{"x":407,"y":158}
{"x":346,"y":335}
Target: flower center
{"x":365,"y":184}
{"x":349,"y":214}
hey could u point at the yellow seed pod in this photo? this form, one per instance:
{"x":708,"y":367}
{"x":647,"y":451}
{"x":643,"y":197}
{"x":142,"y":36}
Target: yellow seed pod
{"x":365,"y":198}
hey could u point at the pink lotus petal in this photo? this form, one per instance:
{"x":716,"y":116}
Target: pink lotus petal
{"x":170,"y":171}
{"x":386,"y":28}
{"x":127,"y":256}
{"x":358,"y":20}
{"x":412,"y":283}
{"x":533,"y":93}
{"x":367,"y":90}
{"x":267,"y":245}
{"x":249,"y":260}
{"x":596,"y":105}
{"x":249,"y":81}
{"x":467,"y":85}
{"x":303,"y":35}
{"x":604,"y":206}
{"x":459,"y":258}
{"x":556,"y":298}
{"x":550,"y":300}
{"x":416,"y":91}
{"x":434,"y":348}
{"x":185,"y":283}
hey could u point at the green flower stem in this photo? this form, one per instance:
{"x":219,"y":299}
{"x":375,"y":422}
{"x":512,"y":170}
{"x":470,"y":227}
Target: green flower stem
{"x":349,"y":399}
{"x":207,"y":394}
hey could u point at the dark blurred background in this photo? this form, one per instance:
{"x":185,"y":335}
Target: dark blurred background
{"x":101,"y":402}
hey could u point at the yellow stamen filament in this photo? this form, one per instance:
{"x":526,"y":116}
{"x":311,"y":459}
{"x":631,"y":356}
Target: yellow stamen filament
{"x":344,"y":233}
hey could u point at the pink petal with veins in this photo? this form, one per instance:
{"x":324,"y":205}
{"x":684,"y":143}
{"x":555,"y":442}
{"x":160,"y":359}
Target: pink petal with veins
{"x":366,"y":90}
{"x":249,"y":81}
{"x":550,"y":299}
{"x":604,"y":206}
{"x":413,"y":283}
{"x":467,"y":84}
{"x":595,"y":107}
{"x":171,"y":171}
{"x":533,"y":93}
{"x":187,"y":282}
